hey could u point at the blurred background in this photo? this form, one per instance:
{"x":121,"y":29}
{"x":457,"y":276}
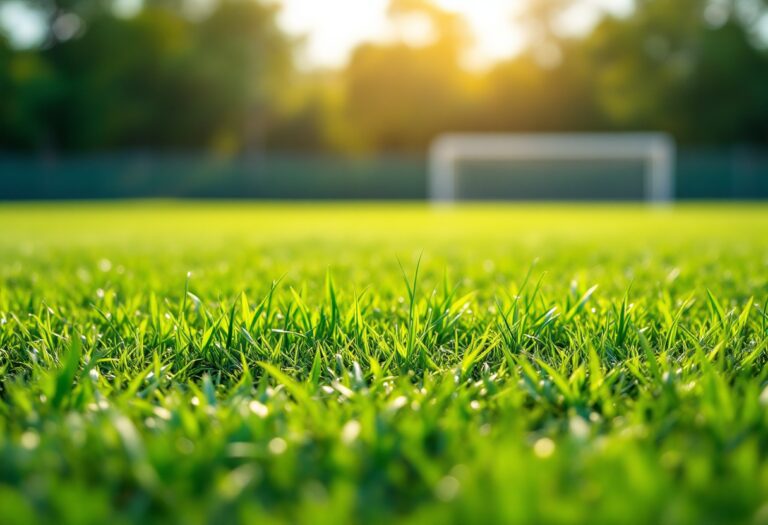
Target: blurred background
{"x":334,"y":99}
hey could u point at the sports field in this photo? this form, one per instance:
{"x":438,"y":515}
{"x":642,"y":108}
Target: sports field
{"x":339,"y":363}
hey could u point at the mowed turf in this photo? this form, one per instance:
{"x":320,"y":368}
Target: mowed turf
{"x":264,"y":363}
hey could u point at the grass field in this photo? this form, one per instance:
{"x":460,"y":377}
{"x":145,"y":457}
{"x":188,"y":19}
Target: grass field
{"x":212,"y":363}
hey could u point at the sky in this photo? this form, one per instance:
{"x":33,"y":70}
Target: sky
{"x":332,"y":28}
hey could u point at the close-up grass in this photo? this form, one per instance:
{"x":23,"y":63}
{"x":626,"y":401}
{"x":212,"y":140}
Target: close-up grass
{"x":223,"y":362}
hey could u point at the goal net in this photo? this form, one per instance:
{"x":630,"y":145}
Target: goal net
{"x":569,"y":166}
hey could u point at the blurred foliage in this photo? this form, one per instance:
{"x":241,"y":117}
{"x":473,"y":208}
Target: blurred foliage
{"x":159,"y":78}
{"x":224,"y":78}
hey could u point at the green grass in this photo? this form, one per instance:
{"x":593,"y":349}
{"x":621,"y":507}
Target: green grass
{"x":212,"y":363}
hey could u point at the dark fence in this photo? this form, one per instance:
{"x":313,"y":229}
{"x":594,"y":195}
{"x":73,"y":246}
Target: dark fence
{"x":273,"y":176}
{"x":736,"y":173}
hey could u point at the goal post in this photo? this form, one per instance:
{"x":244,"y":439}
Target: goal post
{"x":655,"y":150}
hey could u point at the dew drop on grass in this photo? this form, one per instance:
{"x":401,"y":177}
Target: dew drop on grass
{"x":544,"y":448}
{"x":578,"y":427}
{"x":350,"y":431}
{"x":277,"y":446}
{"x":162,"y":413}
{"x":30,"y":440}
{"x":314,"y":491}
{"x":105,"y":265}
{"x":185,"y":446}
{"x":673,"y":275}
{"x":447,"y":488}
{"x":259,"y":409}
{"x":398,"y":403}
{"x":764,"y":397}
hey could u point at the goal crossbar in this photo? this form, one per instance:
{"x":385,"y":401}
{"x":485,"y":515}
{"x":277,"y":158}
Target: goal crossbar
{"x":657,"y":150}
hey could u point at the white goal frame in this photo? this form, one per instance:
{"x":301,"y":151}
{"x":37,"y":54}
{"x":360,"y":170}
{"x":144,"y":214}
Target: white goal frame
{"x":656,"y":149}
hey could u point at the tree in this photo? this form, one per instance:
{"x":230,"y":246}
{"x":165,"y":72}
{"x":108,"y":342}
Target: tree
{"x":159,"y":79}
{"x":522,"y":94}
{"x":399,"y":95}
{"x":669,"y":67}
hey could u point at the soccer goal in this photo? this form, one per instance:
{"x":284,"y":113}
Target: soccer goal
{"x":578,"y":156}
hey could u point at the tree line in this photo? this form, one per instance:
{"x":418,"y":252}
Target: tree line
{"x":226,"y":79}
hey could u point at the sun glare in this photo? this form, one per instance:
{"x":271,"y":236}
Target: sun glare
{"x":493,"y":27}
{"x":332,"y":28}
